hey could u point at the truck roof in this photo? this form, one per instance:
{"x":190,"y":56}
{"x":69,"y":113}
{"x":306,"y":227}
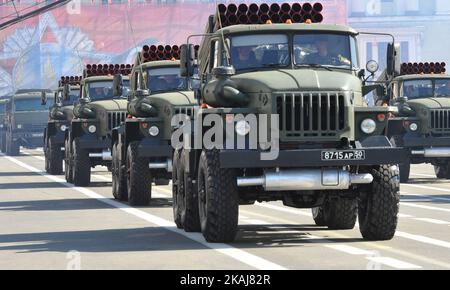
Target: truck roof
{"x":75,"y":87}
{"x":160,"y":63}
{"x":421,"y":77}
{"x":27,"y":94}
{"x":236,"y":29}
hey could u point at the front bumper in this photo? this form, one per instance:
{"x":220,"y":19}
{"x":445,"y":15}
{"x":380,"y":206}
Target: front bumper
{"x":411,"y":141}
{"x":309,"y":158}
{"x":92,"y":142}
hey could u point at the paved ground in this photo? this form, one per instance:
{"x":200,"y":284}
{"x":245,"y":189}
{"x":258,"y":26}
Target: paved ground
{"x":46,"y":223}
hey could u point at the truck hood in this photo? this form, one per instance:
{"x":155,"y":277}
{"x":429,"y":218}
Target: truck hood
{"x":296,"y":80}
{"x":180,"y":98}
{"x":429,"y":103}
{"x":109,"y":105}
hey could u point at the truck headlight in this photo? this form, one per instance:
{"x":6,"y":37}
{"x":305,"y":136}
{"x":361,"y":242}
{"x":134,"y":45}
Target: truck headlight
{"x":19,"y":126}
{"x":153,"y":131}
{"x":92,"y":129}
{"x":413,"y":127}
{"x":368,"y":126}
{"x":63,"y":128}
{"x":242,"y":128}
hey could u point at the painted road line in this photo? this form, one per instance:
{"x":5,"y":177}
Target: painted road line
{"x":432,"y":221}
{"x":430,"y":188}
{"x":423,"y":239}
{"x":433,"y":208}
{"x":225,"y":249}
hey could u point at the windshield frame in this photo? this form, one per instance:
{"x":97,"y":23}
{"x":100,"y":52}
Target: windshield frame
{"x":290,"y":36}
{"x":146,"y":74}
{"x":86,"y":88}
{"x":433,"y":84}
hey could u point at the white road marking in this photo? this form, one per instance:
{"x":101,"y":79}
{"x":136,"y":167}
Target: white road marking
{"x":225,"y":249}
{"x":432,"y":221}
{"x":430,"y":188}
{"x":423,"y":239}
{"x":394,"y":263}
{"x":350,"y":250}
{"x":401,"y":215}
{"x":425,"y":207}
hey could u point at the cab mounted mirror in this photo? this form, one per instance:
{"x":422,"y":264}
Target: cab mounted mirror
{"x":187,"y":60}
{"x":393,"y":59}
{"x":117,"y":85}
{"x":43,"y":98}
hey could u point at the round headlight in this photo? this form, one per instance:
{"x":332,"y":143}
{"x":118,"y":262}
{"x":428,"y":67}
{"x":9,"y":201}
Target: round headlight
{"x":92,"y":129}
{"x":242,"y":128}
{"x":153,"y":131}
{"x":63,"y":128}
{"x":413,"y":127}
{"x":368,"y":126}
{"x":19,"y":126}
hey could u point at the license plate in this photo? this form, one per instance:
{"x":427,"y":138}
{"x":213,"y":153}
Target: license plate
{"x":344,"y":155}
{"x":38,"y":135}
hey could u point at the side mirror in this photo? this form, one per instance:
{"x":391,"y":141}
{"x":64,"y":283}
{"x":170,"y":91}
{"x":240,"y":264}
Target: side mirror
{"x":142,"y":93}
{"x":187,"y":60}
{"x":66,"y":92}
{"x":223,"y":71}
{"x":43,"y":98}
{"x":393,"y":59}
{"x":361,"y":73}
{"x":117,"y":85}
{"x":372,"y":66}
{"x":403,"y":99}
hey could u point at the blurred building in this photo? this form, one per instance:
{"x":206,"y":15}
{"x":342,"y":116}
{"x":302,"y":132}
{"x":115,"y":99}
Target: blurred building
{"x":420,"y":26}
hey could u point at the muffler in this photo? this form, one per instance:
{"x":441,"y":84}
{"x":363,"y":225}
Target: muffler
{"x":105,"y":155}
{"x":433,"y":152}
{"x":167,"y":165}
{"x":306,"y":179}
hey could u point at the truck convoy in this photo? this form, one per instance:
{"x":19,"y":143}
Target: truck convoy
{"x":88,"y":140}
{"x":60,"y":117}
{"x":142,"y":151}
{"x":422,"y":125}
{"x":260,"y":63}
{"x":25,"y":120}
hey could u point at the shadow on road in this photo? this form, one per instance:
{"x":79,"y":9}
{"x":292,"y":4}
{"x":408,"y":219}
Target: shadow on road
{"x":53,"y":205}
{"x":12,"y":174}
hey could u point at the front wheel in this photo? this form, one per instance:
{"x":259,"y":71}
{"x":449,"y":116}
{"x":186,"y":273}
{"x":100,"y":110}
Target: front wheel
{"x":217,"y":198}
{"x":12,"y":149}
{"x":81,"y":164}
{"x":139,"y":178}
{"x":119,"y":180}
{"x":55,"y":158}
{"x":68,"y":161}
{"x":378,"y":207}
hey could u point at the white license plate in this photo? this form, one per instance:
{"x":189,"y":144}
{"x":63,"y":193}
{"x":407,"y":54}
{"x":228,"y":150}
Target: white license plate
{"x":344,"y":155}
{"x":38,"y":135}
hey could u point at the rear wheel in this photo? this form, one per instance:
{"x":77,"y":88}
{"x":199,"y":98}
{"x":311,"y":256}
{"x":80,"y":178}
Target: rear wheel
{"x":187,"y":198}
{"x":119,"y":180}
{"x":341,"y":213}
{"x":442,"y":171}
{"x":217,"y":198}
{"x":378,"y":207}
{"x":81,"y":164}
{"x":319,"y":216}
{"x":139,"y":178}
{"x":55,"y":158}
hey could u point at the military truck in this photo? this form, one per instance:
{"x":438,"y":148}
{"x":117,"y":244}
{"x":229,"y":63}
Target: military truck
{"x":142,"y":151}
{"x":26,"y":120}
{"x":60,"y":117}
{"x":3,"y":104}
{"x":88,"y":142}
{"x":422,"y":124}
{"x":331,"y":154}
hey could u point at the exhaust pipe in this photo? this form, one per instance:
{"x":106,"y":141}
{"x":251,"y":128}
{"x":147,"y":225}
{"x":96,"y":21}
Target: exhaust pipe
{"x":306,"y":179}
{"x":167,"y":165}
{"x":433,"y":152}
{"x":104,"y":155}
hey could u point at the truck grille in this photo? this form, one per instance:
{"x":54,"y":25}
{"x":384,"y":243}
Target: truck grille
{"x":440,"y":121}
{"x":115,"y":119}
{"x":185,"y":110}
{"x":310,"y":114}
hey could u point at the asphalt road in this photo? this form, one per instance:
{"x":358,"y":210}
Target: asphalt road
{"x":46,"y":223}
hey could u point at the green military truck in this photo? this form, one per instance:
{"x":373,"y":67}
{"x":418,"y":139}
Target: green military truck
{"x":422,"y":124}
{"x":3,"y":105}
{"x":60,"y":117}
{"x":142,"y":152}
{"x":331,"y":154}
{"x":26,"y":120}
{"x":88,"y":141}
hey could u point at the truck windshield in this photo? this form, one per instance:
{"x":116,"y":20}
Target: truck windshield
{"x":31,"y":104}
{"x":74,"y":95}
{"x":165,"y":79}
{"x":259,"y":51}
{"x":442,"y":88}
{"x":415,"y":89}
{"x":330,"y":50}
{"x":101,"y":90}
{"x":2,"y":108}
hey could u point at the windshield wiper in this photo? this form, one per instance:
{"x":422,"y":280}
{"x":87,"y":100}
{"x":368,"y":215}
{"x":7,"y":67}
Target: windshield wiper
{"x":315,"y":65}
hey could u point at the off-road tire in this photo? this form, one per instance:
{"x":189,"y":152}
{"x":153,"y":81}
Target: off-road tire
{"x":218,"y":199}
{"x":405,"y":167}
{"x":55,"y":158}
{"x":68,"y":161}
{"x":319,"y":216}
{"x":175,"y":203}
{"x":139,"y":178}
{"x":341,"y":213}
{"x":378,"y":207}
{"x":12,"y":149}
{"x":81,"y":165}
{"x":187,"y":198}
{"x":442,"y":171}
{"x":3,"y":143}
{"x":119,"y":180}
